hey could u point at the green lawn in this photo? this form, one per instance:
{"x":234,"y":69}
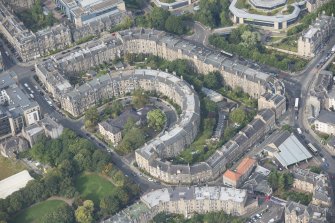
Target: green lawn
{"x":9,"y":167}
{"x":34,"y":213}
{"x":93,"y":187}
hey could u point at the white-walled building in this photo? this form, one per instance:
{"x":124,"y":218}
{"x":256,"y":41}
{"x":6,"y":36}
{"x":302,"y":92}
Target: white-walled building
{"x":325,"y":123}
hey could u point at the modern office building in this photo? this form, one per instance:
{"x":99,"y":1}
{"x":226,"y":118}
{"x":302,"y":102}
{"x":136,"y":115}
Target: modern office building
{"x":277,"y":22}
{"x":84,"y":12}
{"x":267,"y":5}
{"x":16,"y":109}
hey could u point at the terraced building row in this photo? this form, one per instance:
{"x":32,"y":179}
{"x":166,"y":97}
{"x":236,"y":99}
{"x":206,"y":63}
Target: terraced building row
{"x":76,"y":100}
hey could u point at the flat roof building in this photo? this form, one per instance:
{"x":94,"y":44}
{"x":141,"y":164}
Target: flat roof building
{"x":241,"y":16}
{"x":14,"y":183}
{"x":16,"y":108}
{"x":84,"y":12}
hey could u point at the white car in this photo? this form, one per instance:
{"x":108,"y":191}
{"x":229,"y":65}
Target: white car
{"x":150,"y":179}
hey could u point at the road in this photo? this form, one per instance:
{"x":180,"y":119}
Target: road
{"x":25,"y":75}
{"x":303,"y":85}
{"x":297,"y":85}
{"x":201,"y":33}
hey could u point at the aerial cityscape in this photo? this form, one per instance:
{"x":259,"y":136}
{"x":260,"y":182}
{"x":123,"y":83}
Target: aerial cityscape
{"x":167,"y":111}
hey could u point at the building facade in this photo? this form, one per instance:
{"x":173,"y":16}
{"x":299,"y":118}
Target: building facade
{"x":20,"y":4}
{"x":312,"y":39}
{"x":243,"y":170}
{"x":298,"y":213}
{"x":312,"y":5}
{"x":325,"y":123}
{"x":16,"y":109}
{"x":277,"y":22}
{"x":317,"y":184}
{"x":273,"y":101}
{"x":27,"y":44}
{"x":191,"y":200}
{"x":143,"y":41}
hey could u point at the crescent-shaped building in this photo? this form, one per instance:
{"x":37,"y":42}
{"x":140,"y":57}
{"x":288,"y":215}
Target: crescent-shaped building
{"x":75,"y":100}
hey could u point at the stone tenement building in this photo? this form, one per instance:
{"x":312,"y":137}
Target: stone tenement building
{"x":158,"y":43}
{"x":76,"y":100}
{"x":20,"y":4}
{"x":298,"y":213}
{"x":312,"y":5}
{"x":243,"y":170}
{"x":191,"y":200}
{"x":311,"y":40}
{"x":174,"y":140}
{"x":31,"y":45}
{"x":149,"y":156}
{"x":275,"y":102}
{"x":313,"y":183}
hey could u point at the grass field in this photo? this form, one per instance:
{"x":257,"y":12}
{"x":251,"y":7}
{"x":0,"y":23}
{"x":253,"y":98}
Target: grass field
{"x":36,"y":212}
{"x":93,"y":187}
{"x":9,"y":167}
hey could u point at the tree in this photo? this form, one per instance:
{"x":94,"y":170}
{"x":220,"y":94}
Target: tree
{"x":115,"y":109}
{"x":157,"y":18}
{"x":213,"y":80}
{"x":156,"y":119}
{"x":84,"y":214}
{"x":315,"y":169}
{"x":49,"y":19}
{"x":107,"y":169}
{"x":174,"y":24}
{"x":140,"y":98}
{"x":238,"y":116}
{"x":109,"y":205}
{"x":63,"y":214}
{"x":129,"y":125}
{"x":91,"y":117}
{"x":132,"y":140}
{"x":250,"y":39}
{"x":118,"y":178}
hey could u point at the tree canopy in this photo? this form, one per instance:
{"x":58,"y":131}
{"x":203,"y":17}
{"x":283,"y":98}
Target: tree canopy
{"x":140,"y":98}
{"x":213,"y":80}
{"x":214,"y":13}
{"x":238,"y":116}
{"x":63,"y":214}
{"x":162,"y":19}
{"x":84,"y":213}
{"x":156,"y":119}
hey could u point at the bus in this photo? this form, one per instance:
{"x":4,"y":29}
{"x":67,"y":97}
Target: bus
{"x":226,"y":53}
{"x":296,"y":104}
{"x":312,"y":148}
